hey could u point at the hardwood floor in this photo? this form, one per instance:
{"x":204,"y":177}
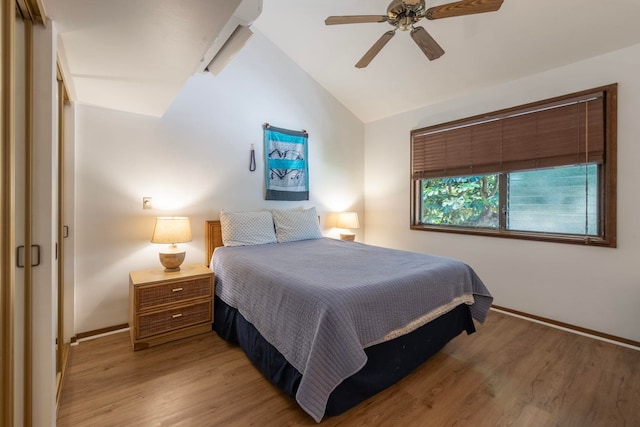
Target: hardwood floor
{"x":510,"y":373}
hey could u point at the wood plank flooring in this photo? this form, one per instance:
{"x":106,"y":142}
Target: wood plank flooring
{"x":510,"y":373}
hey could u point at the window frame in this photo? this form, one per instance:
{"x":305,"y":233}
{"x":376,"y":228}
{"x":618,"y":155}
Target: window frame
{"x":607,"y":176}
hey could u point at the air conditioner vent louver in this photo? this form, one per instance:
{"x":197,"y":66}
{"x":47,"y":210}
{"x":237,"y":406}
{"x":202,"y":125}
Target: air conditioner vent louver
{"x":233,"y":36}
{"x":229,"y":49}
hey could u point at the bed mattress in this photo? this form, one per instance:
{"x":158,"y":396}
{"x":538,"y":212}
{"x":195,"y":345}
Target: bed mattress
{"x":321,"y":303}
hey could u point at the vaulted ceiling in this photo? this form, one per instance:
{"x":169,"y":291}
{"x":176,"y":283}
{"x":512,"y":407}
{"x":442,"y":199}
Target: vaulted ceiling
{"x":137,"y":45}
{"x":134,"y":55}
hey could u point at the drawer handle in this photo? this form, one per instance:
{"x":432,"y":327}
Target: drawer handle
{"x":176,"y":290}
{"x":175,"y":316}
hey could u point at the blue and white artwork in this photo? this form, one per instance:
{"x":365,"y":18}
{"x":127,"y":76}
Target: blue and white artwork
{"x":286,"y":164}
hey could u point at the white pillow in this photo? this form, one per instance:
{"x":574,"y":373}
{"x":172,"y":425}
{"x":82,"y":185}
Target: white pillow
{"x":295,"y":224}
{"x":247,"y":228}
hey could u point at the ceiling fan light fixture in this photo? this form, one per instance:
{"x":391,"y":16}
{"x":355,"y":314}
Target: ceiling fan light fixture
{"x":403,"y":14}
{"x":406,"y":23}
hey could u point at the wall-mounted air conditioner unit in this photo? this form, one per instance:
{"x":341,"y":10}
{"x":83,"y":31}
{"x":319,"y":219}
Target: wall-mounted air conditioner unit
{"x":232,"y":37}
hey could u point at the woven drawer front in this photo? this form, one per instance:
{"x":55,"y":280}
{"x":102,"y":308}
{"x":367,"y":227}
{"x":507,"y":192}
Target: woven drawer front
{"x":175,"y":318}
{"x":169,"y":293}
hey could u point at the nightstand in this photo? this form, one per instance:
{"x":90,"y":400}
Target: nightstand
{"x":165,"y":306}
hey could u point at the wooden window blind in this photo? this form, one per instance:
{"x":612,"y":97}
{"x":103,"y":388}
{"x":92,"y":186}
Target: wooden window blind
{"x":556,"y":133}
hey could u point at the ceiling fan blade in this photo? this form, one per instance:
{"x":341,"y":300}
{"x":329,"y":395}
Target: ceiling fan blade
{"x":464,"y":7}
{"x":375,"y":49}
{"x":426,"y":43}
{"x":355,"y":19}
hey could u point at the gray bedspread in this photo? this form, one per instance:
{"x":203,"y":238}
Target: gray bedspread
{"x":321,"y":302}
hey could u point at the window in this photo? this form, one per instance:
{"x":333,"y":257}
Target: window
{"x":543,"y":171}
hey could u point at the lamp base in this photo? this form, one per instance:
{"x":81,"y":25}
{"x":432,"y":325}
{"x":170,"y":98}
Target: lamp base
{"x":171,"y":260}
{"x":350,"y":237}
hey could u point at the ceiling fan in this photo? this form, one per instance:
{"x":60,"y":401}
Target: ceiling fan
{"x":403,"y":14}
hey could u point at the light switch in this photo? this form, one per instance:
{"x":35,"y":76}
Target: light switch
{"x":147,"y":203}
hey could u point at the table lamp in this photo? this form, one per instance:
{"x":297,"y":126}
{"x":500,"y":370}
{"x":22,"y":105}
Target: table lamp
{"x":172,"y":230}
{"x":347,"y":220}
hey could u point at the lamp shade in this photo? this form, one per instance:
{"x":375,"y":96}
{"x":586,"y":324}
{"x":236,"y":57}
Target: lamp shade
{"x":348,"y":220}
{"x":175,"y":229}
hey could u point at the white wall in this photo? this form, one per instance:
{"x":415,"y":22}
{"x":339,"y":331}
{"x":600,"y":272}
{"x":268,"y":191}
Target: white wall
{"x":595,"y":288}
{"x":194,"y":161}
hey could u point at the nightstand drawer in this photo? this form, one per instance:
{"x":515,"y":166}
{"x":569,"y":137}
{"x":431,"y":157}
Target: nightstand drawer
{"x":166,"y":306}
{"x":175,"y":318}
{"x":157,"y":295}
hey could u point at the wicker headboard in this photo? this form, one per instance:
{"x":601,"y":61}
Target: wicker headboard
{"x":212,"y":237}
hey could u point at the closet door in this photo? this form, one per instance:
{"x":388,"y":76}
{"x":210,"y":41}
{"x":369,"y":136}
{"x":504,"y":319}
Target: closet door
{"x":26,"y":253}
{"x":64,"y":239}
{"x":44,"y":226}
{"x":28,"y":131}
{"x":22,"y":292}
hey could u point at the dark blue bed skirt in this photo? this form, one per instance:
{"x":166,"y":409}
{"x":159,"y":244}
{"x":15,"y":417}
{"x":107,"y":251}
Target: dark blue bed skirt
{"x":387,"y":363}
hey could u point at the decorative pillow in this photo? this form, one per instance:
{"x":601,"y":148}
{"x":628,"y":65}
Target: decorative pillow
{"x":296,"y":224}
{"x":247,"y":228}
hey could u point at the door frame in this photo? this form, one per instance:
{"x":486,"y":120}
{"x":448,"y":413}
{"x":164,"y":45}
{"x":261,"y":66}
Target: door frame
{"x":7,"y":211}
